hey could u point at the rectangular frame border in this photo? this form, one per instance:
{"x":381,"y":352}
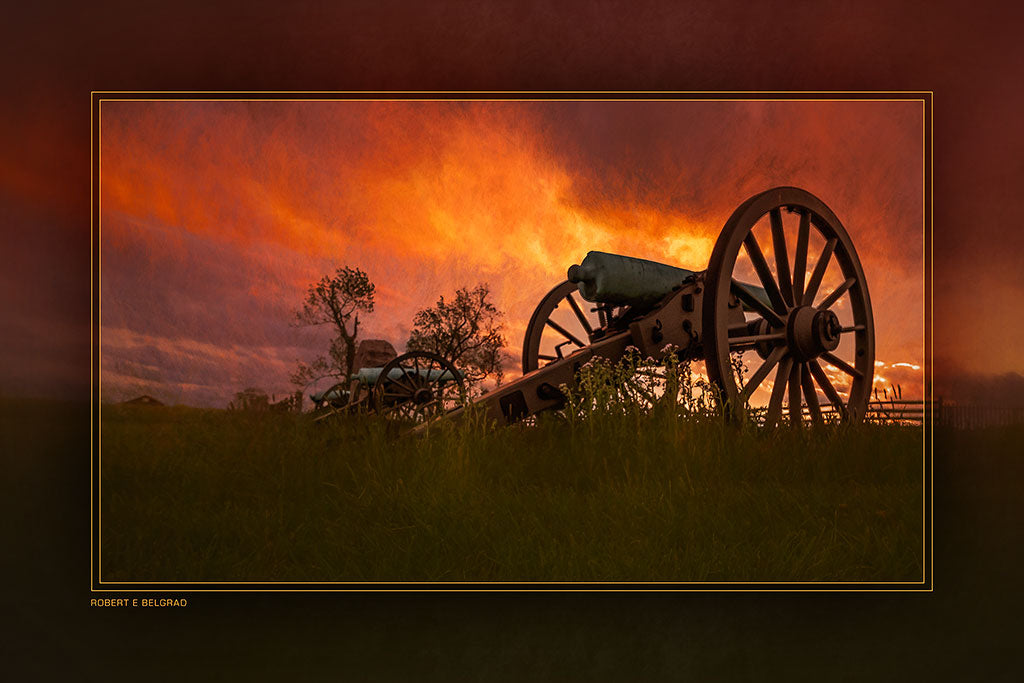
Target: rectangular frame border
{"x":97,"y":585}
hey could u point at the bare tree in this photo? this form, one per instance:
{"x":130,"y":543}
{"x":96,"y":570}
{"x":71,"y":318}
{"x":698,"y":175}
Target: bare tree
{"x":336,"y":300}
{"x":465,"y":331}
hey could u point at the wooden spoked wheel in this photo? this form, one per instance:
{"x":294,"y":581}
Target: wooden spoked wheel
{"x":562,"y":323}
{"x":812,"y":326}
{"x":417,"y":387}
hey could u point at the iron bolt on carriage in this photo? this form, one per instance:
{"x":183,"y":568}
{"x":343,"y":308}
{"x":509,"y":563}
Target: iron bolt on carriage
{"x":791,"y":321}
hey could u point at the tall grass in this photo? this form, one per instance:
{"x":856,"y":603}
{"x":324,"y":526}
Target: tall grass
{"x":600,"y":492}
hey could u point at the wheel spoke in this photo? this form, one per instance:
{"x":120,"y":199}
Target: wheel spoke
{"x":810,"y":393}
{"x":853,"y":328}
{"x":819,"y":272}
{"x":764,"y":273}
{"x":826,"y":386}
{"x":795,"y":405}
{"x":579,"y":314}
{"x":839,"y":291}
{"x":435,"y":368}
{"x":781,"y":256}
{"x":412,"y":380}
{"x":749,"y":299}
{"x":564,"y":332}
{"x":800,"y":264}
{"x":762,"y":372}
{"x":778,"y":391}
{"x":842,"y":365}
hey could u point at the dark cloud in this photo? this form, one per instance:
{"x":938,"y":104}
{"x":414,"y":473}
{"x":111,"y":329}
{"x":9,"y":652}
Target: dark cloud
{"x":702,"y":159}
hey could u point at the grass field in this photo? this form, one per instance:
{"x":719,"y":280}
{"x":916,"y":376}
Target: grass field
{"x":967,"y":629}
{"x":197,"y":495}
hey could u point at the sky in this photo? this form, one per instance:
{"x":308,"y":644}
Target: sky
{"x":216,"y":216}
{"x":45,"y":193}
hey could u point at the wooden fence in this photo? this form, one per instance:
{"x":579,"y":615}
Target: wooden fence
{"x":946,"y":414}
{"x":900,"y":411}
{"x":976,"y":416}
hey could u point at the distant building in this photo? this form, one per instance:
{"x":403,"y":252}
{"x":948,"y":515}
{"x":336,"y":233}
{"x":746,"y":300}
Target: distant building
{"x":144,"y":400}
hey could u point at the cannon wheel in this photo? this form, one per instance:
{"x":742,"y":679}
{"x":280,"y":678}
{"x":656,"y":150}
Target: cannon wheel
{"x":802,"y":328}
{"x":566,"y":332}
{"x":420,"y":393}
{"x":329,"y":408}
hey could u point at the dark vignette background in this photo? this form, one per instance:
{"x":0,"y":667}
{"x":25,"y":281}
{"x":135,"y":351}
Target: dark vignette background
{"x":55,"y":54}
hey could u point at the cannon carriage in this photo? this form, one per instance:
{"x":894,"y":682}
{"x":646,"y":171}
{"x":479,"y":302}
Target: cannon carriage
{"x":753,"y":312}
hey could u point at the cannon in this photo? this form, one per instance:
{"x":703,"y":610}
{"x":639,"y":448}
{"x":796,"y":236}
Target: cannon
{"x":752,"y":312}
{"x":412,"y":388}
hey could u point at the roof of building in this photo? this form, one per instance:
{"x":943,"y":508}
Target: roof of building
{"x":144,"y":400}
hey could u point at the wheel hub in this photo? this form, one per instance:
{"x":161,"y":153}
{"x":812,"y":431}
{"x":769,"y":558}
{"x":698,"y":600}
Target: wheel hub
{"x":423,"y":395}
{"x":811,"y":332}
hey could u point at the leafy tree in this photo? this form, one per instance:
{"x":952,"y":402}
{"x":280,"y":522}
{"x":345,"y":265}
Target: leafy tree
{"x":465,"y":331}
{"x":336,"y":300}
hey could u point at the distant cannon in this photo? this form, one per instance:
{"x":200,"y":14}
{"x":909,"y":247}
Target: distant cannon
{"x":786,"y":320}
{"x":414,"y":387}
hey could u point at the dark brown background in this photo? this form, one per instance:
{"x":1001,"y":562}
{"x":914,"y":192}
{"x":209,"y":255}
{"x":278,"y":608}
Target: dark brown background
{"x":54,"y":55}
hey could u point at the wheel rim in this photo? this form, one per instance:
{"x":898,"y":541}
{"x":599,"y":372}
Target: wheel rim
{"x":420,"y":390}
{"x":562,"y":323}
{"x":814,"y":333}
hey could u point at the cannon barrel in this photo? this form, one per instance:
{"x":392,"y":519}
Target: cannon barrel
{"x":624,"y":280}
{"x":371,"y":376}
{"x":628,"y":281}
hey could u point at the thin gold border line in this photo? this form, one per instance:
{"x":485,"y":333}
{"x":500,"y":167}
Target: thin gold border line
{"x":509,"y":583}
{"x":924,"y":333}
{"x":927,"y":94}
{"x":92,"y":333}
{"x":500,"y":99}
{"x":99,"y":358}
{"x":514,"y":583}
{"x":538,"y":591}
{"x":931,"y":303}
{"x":924,"y":571}
{"x":519,"y":92}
